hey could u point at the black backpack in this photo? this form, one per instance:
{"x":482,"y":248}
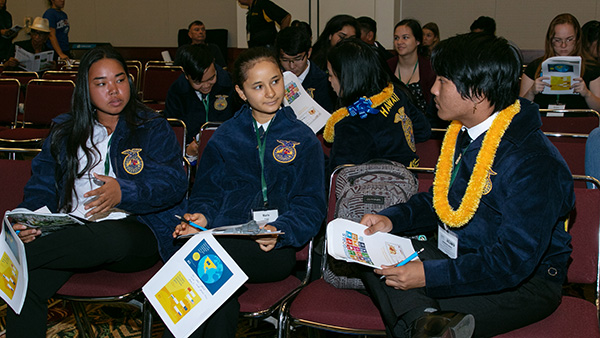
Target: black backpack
{"x":366,"y":189}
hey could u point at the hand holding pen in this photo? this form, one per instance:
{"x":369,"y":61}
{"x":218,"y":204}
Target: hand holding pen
{"x":190,"y":223}
{"x":407,"y":259}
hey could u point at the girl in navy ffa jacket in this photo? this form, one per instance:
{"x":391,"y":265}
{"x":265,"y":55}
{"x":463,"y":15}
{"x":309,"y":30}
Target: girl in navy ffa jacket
{"x":278,"y":172}
{"x":110,"y":161}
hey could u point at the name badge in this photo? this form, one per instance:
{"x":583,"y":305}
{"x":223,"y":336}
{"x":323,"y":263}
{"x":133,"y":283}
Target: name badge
{"x":447,"y":242}
{"x":557,"y":106}
{"x":265,"y":216}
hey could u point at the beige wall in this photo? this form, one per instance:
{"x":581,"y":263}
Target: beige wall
{"x":154,"y":23}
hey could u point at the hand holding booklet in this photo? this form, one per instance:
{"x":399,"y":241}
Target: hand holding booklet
{"x":42,"y":218}
{"x":251,"y":228}
{"x":346,"y":241}
{"x":561,"y":70}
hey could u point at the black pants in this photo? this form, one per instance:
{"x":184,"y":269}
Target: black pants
{"x":118,"y":245}
{"x":259,"y":266}
{"x":494,"y":313}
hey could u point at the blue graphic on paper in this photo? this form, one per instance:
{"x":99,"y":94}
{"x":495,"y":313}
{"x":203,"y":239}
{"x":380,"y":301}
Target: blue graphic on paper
{"x":208,"y":266}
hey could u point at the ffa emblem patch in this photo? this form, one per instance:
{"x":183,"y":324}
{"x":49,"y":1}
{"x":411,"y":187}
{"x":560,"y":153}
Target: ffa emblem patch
{"x":221,"y":102}
{"x":311,"y":92}
{"x":488,"y":182}
{"x":285,"y":152}
{"x":133,"y":163}
{"x":407,"y":127}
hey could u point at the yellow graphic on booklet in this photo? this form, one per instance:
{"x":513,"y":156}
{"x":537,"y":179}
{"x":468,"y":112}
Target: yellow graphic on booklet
{"x":178,"y":297}
{"x":9,"y":276}
{"x":560,"y":82}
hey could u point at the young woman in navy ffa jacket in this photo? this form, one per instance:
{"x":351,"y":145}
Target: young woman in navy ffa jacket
{"x":110,"y":161}
{"x":242,"y":171}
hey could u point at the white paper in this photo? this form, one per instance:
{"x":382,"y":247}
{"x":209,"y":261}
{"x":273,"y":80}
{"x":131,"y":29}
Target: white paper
{"x":306,"y":108}
{"x":166,"y":57}
{"x":193,"y":284}
{"x":561,"y":70}
{"x":13,"y":267}
{"x":346,"y":241}
{"x":34,"y":62}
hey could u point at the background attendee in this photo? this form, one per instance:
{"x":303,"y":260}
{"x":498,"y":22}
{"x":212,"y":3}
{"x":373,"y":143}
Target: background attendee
{"x":563,"y":38}
{"x":377,"y":119}
{"x":591,"y":37}
{"x":592,"y":155}
{"x":203,"y":93}
{"x":411,"y":66}
{"x":279,"y":172}
{"x":304,"y":25}
{"x":59,"y":29}
{"x":260,"y":21}
{"x":36,"y":44}
{"x":484,"y":24}
{"x":293,"y":48}
{"x":338,"y":28}
{"x":6,"y":35}
{"x":197,"y":32}
{"x":499,"y":206}
{"x":368,"y":33}
{"x":431,"y":35}
{"x":113,"y":162}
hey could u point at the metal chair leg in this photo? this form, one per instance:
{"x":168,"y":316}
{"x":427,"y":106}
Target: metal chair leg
{"x":146,"y":319}
{"x":83,"y":324}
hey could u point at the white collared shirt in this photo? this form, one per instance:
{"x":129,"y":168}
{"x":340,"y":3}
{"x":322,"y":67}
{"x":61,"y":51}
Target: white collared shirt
{"x":476,"y":131}
{"x":305,"y":72}
{"x":87,"y":182}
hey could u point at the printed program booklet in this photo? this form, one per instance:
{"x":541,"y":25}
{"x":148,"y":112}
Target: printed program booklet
{"x":346,"y":241}
{"x":251,"y":228}
{"x":306,"y":108}
{"x":34,"y":62}
{"x":13,"y":267}
{"x":561,"y":70}
{"x":43,"y":219}
{"x":193,"y":284}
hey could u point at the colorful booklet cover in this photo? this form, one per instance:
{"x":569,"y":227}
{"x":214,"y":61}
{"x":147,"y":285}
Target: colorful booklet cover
{"x":306,"y":108}
{"x":13,"y":267}
{"x":562,"y":70}
{"x":193,"y":284}
{"x":346,"y":241}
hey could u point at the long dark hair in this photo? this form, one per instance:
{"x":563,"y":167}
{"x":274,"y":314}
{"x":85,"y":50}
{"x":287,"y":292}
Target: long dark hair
{"x":591,"y":34}
{"x":69,"y":136}
{"x":358,"y":69}
{"x":323,"y":44}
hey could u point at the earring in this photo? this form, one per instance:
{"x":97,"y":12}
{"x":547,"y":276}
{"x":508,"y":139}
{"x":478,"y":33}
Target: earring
{"x":474,"y":108}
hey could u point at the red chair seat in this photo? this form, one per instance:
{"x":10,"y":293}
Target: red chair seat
{"x":319,"y":302}
{"x":106,"y":283}
{"x":574,"y":317}
{"x":261,"y":296}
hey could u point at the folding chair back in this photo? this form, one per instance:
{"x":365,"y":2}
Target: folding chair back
{"x":580,"y":121}
{"x":47,"y":99}
{"x":156,"y":84}
{"x":576,"y":317}
{"x":23,"y":77}
{"x":15,"y":174}
{"x":60,"y":75}
{"x":425,"y":177}
{"x":206,"y":131}
{"x":180,"y":130}
{"x":572,"y":149}
{"x":135,"y":69}
{"x":429,"y":152}
{"x":10,"y":90}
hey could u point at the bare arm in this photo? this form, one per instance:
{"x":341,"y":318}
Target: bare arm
{"x":286,"y":21}
{"x":56,"y":46}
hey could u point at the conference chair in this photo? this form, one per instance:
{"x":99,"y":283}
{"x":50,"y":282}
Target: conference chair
{"x":156,"y":83}
{"x":580,"y":121}
{"x":576,"y":317}
{"x":10,"y":90}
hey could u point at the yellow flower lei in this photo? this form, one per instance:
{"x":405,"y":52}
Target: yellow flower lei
{"x":477,"y":181}
{"x":340,"y":114}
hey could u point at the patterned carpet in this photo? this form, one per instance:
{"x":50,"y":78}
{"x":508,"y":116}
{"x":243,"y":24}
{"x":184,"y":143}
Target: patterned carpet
{"x":124,"y":321}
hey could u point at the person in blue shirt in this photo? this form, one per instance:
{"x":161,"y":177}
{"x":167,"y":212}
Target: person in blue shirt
{"x":203,"y":93}
{"x":274,"y":176}
{"x":59,"y":29}
{"x":112,"y":162}
{"x":498,"y":205}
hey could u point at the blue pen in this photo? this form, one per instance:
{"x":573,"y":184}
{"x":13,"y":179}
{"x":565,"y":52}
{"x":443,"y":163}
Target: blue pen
{"x":191,"y":223}
{"x":407,"y":259}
